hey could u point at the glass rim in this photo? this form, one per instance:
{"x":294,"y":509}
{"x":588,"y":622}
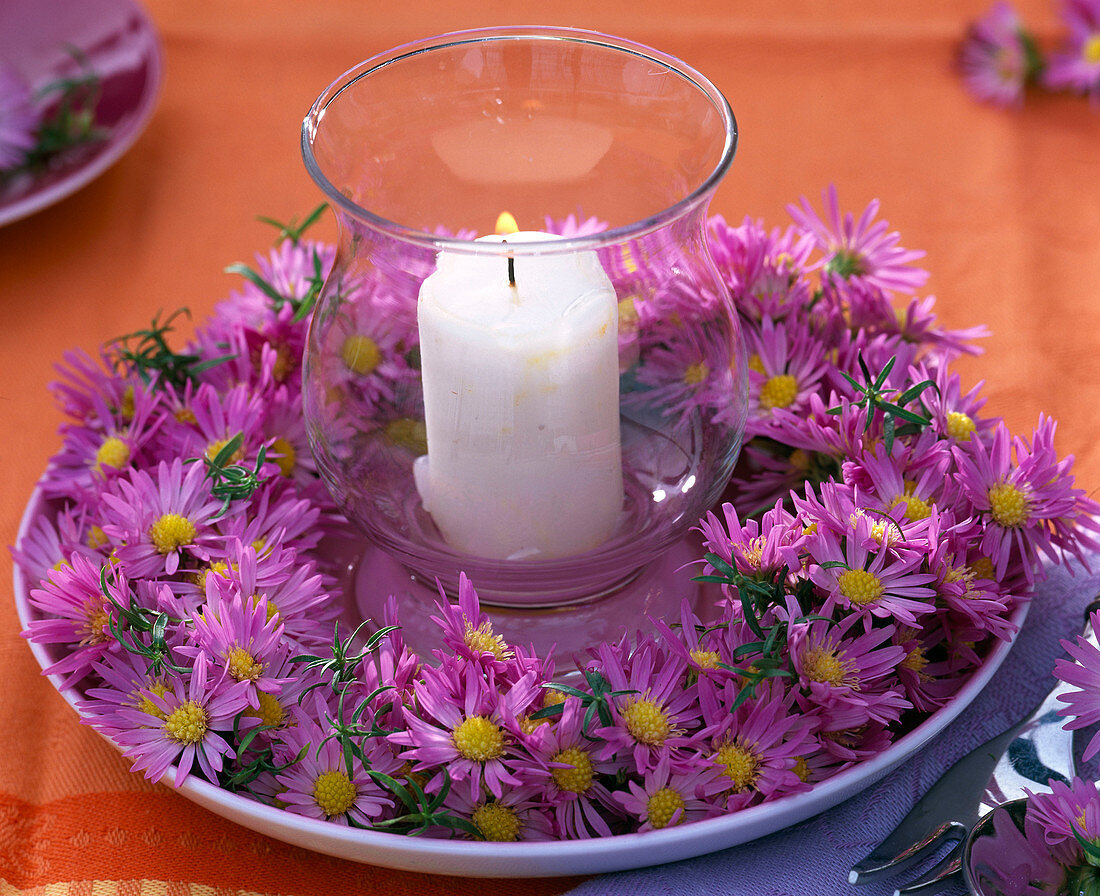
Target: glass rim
{"x":622,"y":233}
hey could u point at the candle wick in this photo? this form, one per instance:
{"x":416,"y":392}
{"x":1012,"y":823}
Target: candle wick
{"x":511,"y":268}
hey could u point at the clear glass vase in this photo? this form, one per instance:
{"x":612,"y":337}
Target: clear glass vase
{"x":548,"y":410}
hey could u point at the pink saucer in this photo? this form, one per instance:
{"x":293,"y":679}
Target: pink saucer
{"x":119,"y":43}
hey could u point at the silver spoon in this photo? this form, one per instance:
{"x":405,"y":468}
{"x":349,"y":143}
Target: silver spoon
{"x":998,"y":861}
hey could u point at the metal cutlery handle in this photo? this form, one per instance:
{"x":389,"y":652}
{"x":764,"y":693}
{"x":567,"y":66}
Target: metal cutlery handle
{"x":1028,"y":754}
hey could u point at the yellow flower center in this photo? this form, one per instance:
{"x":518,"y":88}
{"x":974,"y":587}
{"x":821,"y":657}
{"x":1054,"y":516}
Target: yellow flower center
{"x":879,"y":532}
{"x":215,"y":447}
{"x":483,"y":640}
{"x":915,"y":508}
{"x":284,"y":362}
{"x":960,"y":426}
{"x":147,"y":706}
{"x":696,"y":373}
{"x":112,"y":453}
{"x":171,"y":532}
{"x":1009,"y":506}
{"x":96,"y":537}
{"x":405,"y":432}
{"x":127,"y":408}
{"x":740,"y":764}
{"x":272,"y":609}
{"x":285,"y":455}
{"x":186,"y":724}
{"x":802,"y":769}
{"x":528,"y":725}
{"x":243,"y":665}
{"x":823,"y":665}
{"x":753,"y":552}
{"x":479,"y":739}
{"x":647,"y":722}
{"x":915,"y":660}
{"x":497,"y":823}
{"x":577,"y":778}
{"x":983,"y":568}
{"x":185,"y":415}
{"x":859,"y":586}
{"x":361,"y":354}
{"x":705,"y":659}
{"x":778,"y":392}
{"x":756,"y":364}
{"x":553,"y":697}
{"x":628,"y":314}
{"x":664,"y":804}
{"x":334,"y":793}
{"x":1090,"y":51}
{"x":629,"y":262}
{"x":94,"y":630}
{"x":799,"y":460}
{"x":271,"y":711}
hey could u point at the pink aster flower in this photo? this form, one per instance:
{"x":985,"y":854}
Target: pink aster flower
{"x":1068,"y":812}
{"x":124,"y":679}
{"x":762,"y":269}
{"x":755,"y":547}
{"x":236,"y":632}
{"x":654,"y":716}
{"x":786,"y":366}
{"x":107,"y":443}
{"x":468,"y":632}
{"x":51,"y":540}
{"x":910,"y":477}
{"x":707,"y":650}
{"x":327,"y":784}
{"x":214,"y":418}
{"x":158,"y":518}
{"x":928,"y":674}
{"x":1082,"y":673}
{"x":464,"y":726}
{"x":519,"y":814}
{"x":572,"y":226}
{"x":77,"y":614}
{"x":277,"y":514}
{"x":1024,"y":495}
{"x":193,"y":718}
{"x":859,"y":574}
{"x":757,"y":746}
{"x":567,"y":761}
{"x":86,"y":383}
{"x":846,"y":679}
{"x":294,"y":593}
{"x":971,"y":599}
{"x":998,"y":58}
{"x":1014,"y":862}
{"x":917,"y":324}
{"x":1075,"y":66}
{"x":665,"y":798}
{"x":955,"y":416}
{"x":19,"y":119}
{"x":284,"y":431}
{"x":861,"y":250}
{"x":852,"y":745}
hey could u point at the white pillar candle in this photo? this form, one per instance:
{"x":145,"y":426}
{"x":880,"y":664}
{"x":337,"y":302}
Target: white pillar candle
{"x":521,"y":402}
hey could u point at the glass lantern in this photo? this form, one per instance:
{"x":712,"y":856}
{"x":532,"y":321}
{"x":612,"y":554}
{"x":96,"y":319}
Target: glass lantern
{"x":524,"y":365}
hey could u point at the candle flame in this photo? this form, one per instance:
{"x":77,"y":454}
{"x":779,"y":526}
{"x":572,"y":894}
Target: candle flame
{"x":506,"y":224}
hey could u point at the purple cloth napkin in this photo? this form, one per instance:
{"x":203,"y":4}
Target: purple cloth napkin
{"x":813,"y":858}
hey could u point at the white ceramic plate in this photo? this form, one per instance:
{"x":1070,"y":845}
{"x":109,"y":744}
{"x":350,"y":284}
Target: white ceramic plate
{"x":121,"y":46}
{"x":546,"y":859}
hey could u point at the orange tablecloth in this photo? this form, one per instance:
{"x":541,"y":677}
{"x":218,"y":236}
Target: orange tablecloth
{"x":860,"y":93}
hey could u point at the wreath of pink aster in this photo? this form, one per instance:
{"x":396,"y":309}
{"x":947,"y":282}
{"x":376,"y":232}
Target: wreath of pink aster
{"x":879,"y":534}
